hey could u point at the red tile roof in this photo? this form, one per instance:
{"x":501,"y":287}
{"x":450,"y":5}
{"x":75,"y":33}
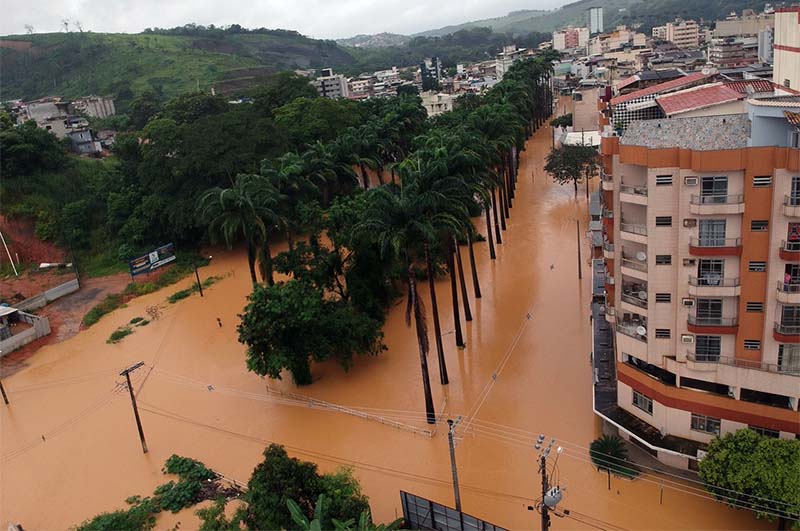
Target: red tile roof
{"x":757,"y":86}
{"x":629,"y":81}
{"x":662,"y":87}
{"x":793,"y":117}
{"x":697,"y":98}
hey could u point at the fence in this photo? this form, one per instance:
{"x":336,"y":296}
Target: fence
{"x":421,"y":513}
{"x":40,"y":328}
{"x":46,"y":297}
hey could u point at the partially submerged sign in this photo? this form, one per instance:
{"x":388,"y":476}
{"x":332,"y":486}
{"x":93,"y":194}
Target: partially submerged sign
{"x":153,"y":260}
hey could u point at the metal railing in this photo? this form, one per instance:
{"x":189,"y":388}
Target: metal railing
{"x":791,"y":287}
{"x":633,"y":228}
{"x":608,"y":213}
{"x":633,"y":299}
{"x":745,"y":364}
{"x":630,"y":331}
{"x":714,"y":199}
{"x":634,"y":264}
{"x":791,"y":200}
{"x":790,"y":246}
{"x":713,"y":281}
{"x":631,"y":189}
{"x":788,"y":329}
{"x":607,"y":246}
{"x":608,"y":177}
{"x":713,"y":321}
{"x":715,"y":242}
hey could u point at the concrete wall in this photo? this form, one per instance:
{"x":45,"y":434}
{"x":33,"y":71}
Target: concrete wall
{"x":46,"y":297}
{"x":41,"y":328}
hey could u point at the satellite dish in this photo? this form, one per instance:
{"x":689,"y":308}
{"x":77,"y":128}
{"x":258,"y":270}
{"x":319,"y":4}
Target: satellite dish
{"x":643,"y":295}
{"x":641,"y":256}
{"x":642,"y":331}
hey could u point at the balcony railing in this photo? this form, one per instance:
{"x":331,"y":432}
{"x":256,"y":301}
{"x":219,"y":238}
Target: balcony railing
{"x":607,"y":246}
{"x":746,"y":364}
{"x":788,"y":329}
{"x":630,"y":189}
{"x":634,"y":264}
{"x":715,"y":242}
{"x":630,"y":330}
{"x":608,"y":177}
{"x":608,"y":213}
{"x":712,"y":321}
{"x":633,"y":228}
{"x":634,"y":299}
{"x":791,"y":287}
{"x":791,"y":200}
{"x":792,"y":247}
{"x":735,"y":199}
{"x":713,"y":281}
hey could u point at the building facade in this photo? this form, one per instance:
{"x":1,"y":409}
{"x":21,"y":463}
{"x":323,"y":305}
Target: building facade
{"x":787,"y":47}
{"x":596,"y":20}
{"x":683,"y":33}
{"x":701,"y":222}
{"x":330,"y":85}
{"x":570,"y":38}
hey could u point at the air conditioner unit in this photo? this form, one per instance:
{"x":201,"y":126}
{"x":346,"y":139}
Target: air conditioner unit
{"x":690,"y":181}
{"x":689,"y":262}
{"x":687,"y":339}
{"x":689,"y":222}
{"x":689,"y":303}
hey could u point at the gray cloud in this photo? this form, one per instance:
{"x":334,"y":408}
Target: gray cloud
{"x":315,"y":18}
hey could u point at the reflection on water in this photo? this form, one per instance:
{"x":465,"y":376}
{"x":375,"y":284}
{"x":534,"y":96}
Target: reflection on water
{"x":69,"y":442}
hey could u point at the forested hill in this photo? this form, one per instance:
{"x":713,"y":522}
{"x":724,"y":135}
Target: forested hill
{"x":178,"y":60}
{"x":647,"y":13}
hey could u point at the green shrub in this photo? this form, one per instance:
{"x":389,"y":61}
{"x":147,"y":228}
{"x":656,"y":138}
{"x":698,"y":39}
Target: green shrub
{"x":137,"y":320}
{"x":176,"y":496}
{"x":107,"y":305}
{"x":178,"y":295}
{"x":118,"y":334}
{"x":143,"y":322}
{"x":139,"y":517}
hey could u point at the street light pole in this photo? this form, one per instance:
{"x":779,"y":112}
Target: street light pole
{"x":127,"y":374}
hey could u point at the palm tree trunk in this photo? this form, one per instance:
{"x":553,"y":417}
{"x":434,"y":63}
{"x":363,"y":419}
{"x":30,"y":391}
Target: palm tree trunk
{"x":496,"y":223}
{"x":266,"y":263}
{"x":380,"y":174}
{"x":251,"y":262}
{"x":492,"y":253}
{"x":422,"y":342}
{"x":364,"y":175}
{"x":503,"y":206}
{"x":575,"y":184}
{"x":476,"y":286}
{"x":437,"y":329}
{"x":462,"y":281}
{"x":509,"y":179}
{"x":454,"y":289}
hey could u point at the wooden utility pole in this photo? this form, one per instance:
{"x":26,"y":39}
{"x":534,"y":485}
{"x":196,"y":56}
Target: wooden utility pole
{"x":453,"y":467}
{"x":3,"y":391}
{"x":197,"y":276}
{"x":545,"y":509}
{"x":127,"y":374}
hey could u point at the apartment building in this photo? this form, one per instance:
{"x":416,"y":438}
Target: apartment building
{"x":596,"y":20}
{"x":732,"y":52}
{"x":701,"y":219}
{"x":683,"y":33}
{"x":787,"y":47}
{"x":330,"y":85}
{"x":659,"y":33}
{"x":570,"y":38}
{"x":508,"y":57}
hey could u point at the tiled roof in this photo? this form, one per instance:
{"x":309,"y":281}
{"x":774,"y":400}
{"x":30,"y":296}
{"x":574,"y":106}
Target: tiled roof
{"x":793,"y":117}
{"x":757,"y":86}
{"x":697,"y":98}
{"x":661,"y":87}
{"x":626,"y":82}
{"x":776,"y":101}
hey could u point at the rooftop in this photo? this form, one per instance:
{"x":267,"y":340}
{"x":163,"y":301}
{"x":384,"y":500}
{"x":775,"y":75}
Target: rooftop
{"x":668,"y":86}
{"x":697,"y":98}
{"x":754,"y":86}
{"x":776,"y":101}
{"x":707,"y":133}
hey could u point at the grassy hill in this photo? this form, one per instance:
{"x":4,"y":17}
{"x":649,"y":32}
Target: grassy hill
{"x":647,"y":13}
{"x":122,"y":65}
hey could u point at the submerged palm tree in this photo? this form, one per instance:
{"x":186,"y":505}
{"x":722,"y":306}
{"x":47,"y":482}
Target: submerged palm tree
{"x":609,"y":453}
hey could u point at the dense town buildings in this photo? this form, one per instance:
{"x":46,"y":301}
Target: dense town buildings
{"x":570,"y":38}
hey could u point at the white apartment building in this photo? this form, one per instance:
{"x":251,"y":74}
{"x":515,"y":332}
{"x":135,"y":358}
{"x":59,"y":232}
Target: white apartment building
{"x":683,"y":33}
{"x":507,"y":57}
{"x":436,"y":103}
{"x":330,"y":85}
{"x":659,"y":33}
{"x":787,"y":47}
{"x":596,"y":20}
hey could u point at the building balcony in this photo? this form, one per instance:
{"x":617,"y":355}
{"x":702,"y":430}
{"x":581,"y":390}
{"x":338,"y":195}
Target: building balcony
{"x":716,"y":204}
{"x":634,"y":232}
{"x":611,"y":314}
{"x":714,"y":286}
{"x":633,"y":267}
{"x":633,"y":194}
{"x":633,"y":330}
{"x":790,"y":251}
{"x":608,"y":213}
{"x":715,"y":246}
{"x":634,"y":298}
{"x":606,"y":181}
{"x":789,"y":293}
{"x":786,"y":333}
{"x":709,"y":362}
{"x":791,"y":206}
{"x":608,"y":250}
{"x":712,"y":325}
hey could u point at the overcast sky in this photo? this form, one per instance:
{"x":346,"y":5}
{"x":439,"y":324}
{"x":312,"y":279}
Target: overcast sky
{"x":315,"y":18}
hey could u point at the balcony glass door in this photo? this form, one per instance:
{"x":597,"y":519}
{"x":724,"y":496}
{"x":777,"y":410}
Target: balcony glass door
{"x":794,"y":194}
{"x":709,"y":311}
{"x":710,"y":272}
{"x":790,"y":316}
{"x":793,"y":237}
{"x":713,"y":189}
{"x":712,"y":232}
{"x":708,"y":348}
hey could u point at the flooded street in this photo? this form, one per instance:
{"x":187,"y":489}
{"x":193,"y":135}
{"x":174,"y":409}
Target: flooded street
{"x":69,"y":447}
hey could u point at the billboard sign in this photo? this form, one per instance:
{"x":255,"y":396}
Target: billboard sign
{"x":153,"y":260}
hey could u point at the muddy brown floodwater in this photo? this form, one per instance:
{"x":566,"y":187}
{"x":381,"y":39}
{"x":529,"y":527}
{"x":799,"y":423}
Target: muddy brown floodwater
{"x":525,"y":371}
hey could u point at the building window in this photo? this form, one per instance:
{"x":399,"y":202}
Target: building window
{"x":663,"y":333}
{"x":663,"y":180}
{"x":663,"y":259}
{"x":710,"y":271}
{"x":765,"y":432}
{"x":752,"y":344}
{"x":712,"y":232}
{"x":705,"y":424}
{"x":663,"y":297}
{"x":707,"y":348}
{"x":759,"y":225}
{"x":663,"y":221}
{"x":761,"y":181}
{"x":757,"y":266}
{"x":789,"y":358}
{"x":794,"y":194}
{"x":754,"y":307}
{"x":714,"y":189}
{"x":642,"y":402}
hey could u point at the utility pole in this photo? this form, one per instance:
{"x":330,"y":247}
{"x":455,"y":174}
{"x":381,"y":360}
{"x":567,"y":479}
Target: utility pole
{"x":578,"y":235}
{"x":197,"y":276}
{"x":545,"y":510}
{"x":453,"y":467}
{"x":3,"y":391}
{"x":127,"y":374}
{"x":550,"y":496}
